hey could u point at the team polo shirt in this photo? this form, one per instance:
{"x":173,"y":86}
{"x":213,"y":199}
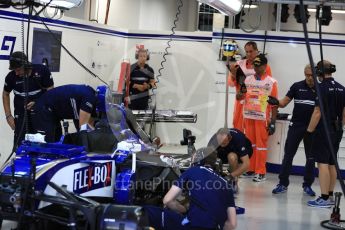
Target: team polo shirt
{"x":140,"y":76}
{"x":37,"y":82}
{"x":239,"y":144}
{"x":210,"y":197}
{"x":66,"y":101}
{"x":333,"y":98}
{"x":304,"y":102}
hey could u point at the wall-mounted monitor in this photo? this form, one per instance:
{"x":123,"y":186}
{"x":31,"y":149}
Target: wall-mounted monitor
{"x":46,"y":49}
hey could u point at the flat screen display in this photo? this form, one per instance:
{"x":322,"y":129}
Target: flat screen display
{"x":46,"y":49}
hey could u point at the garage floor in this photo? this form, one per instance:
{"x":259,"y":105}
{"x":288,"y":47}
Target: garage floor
{"x":284,"y":211}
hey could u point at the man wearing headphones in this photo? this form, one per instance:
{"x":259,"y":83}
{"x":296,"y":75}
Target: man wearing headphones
{"x":141,"y":81}
{"x":333,"y":100}
{"x":39,"y":80}
{"x":211,"y":200}
{"x":77,"y":102}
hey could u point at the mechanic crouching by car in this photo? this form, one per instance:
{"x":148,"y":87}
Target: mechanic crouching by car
{"x":235,"y":148}
{"x":75,"y":102}
{"x":211,"y":200}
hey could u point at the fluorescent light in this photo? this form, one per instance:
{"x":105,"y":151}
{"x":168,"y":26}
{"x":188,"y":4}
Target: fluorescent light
{"x":333,"y":11}
{"x":253,"y":6}
{"x":228,"y":7}
{"x":65,"y":4}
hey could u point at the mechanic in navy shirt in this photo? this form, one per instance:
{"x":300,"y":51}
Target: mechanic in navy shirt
{"x":232,"y":147}
{"x":211,"y":200}
{"x":39,"y":80}
{"x":141,"y":81}
{"x":333,"y":100}
{"x":77,"y":102}
{"x":303,"y":94}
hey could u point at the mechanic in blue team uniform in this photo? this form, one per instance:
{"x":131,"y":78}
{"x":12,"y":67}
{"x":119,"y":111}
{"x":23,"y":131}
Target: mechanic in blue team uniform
{"x":39,"y":80}
{"x":141,"y":81}
{"x":232,"y":147}
{"x":333,"y":100}
{"x":211,"y":200}
{"x":303,"y":94}
{"x":77,"y":102}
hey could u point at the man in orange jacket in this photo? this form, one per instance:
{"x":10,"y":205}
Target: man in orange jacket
{"x":259,"y":116}
{"x":247,"y":67}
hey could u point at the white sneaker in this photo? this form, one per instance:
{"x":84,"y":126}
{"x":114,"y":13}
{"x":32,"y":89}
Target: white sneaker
{"x":259,"y":178}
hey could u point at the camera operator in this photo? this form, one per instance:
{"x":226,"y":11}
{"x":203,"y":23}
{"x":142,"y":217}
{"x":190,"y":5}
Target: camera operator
{"x":211,"y":200}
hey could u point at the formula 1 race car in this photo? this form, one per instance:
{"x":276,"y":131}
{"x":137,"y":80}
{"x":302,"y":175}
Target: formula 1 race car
{"x":90,"y":179}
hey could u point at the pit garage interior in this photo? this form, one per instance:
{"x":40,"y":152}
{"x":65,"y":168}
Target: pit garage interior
{"x":95,"y":42}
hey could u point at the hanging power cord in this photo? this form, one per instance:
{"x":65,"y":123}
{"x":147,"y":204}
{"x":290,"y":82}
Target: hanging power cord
{"x":220,"y":56}
{"x":25,"y":65}
{"x":70,"y":54}
{"x":317,"y":87}
{"x":265,"y":41}
{"x":166,"y":52}
{"x":24,"y":123}
{"x":319,"y":18}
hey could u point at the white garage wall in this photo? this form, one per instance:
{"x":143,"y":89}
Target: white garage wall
{"x":89,"y":44}
{"x":193,"y":78}
{"x":152,"y":14}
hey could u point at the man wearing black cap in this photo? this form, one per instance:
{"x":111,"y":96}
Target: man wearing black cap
{"x":259,"y":117}
{"x":211,"y":200}
{"x":24,"y":79}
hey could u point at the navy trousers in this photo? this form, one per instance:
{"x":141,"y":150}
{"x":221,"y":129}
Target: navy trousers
{"x":295,"y":135}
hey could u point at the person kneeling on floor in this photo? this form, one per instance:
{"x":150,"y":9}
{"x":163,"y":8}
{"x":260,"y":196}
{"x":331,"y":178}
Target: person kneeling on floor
{"x":211,"y":200}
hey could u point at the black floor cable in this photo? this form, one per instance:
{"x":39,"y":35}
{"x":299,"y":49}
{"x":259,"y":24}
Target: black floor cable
{"x":323,"y":117}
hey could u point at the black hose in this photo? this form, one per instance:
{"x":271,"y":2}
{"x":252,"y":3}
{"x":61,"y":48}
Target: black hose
{"x":317,"y":87}
{"x":24,"y":123}
{"x":166,"y":52}
{"x":319,"y":18}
